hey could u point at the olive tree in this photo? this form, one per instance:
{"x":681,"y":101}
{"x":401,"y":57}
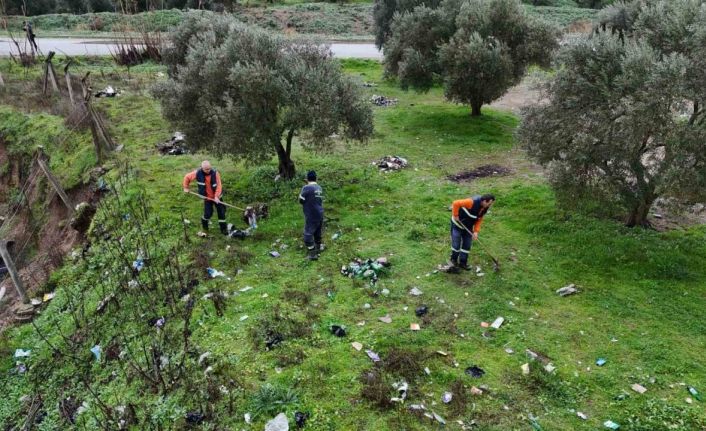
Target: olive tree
{"x":611,"y":128}
{"x":384,"y":11}
{"x":239,"y":90}
{"x":477,"y":48}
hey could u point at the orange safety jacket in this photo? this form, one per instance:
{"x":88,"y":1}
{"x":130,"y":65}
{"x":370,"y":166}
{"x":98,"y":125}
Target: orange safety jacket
{"x":206,"y":188}
{"x":468,"y":213}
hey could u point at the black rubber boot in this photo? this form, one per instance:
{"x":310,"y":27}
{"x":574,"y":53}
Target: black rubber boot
{"x":313,"y":254}
{"x":204,"y":224}
{"x":224,"y":227}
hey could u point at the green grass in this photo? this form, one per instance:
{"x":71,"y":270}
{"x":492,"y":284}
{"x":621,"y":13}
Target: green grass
{"x":642,"y":288}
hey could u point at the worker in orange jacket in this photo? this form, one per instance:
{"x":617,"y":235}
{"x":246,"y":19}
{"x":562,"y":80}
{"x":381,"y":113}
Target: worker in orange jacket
{"x":211,"y":188}
{"x":466,"y":218}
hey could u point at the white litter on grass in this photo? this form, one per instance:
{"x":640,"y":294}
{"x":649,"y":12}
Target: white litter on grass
{"x":19,"y":353}
{"x":497,"y":323}
{"x":415,"y":292}
{"x":244,"y":317}
{"x":356,"y":345}
{"x":525,"y":369}
{"x":245,"y":289}
{"x":582,"y":415}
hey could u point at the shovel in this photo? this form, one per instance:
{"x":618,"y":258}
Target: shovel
{"x":253,"y":223}
{"x":496,"y":263}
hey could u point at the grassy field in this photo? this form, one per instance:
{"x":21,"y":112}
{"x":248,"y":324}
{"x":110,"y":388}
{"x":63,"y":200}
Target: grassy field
{"x":641,"y":292}
{"x":330,"y":20}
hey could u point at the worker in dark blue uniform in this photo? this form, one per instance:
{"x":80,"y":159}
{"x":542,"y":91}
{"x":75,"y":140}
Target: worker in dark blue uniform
{"x":311,"y":198}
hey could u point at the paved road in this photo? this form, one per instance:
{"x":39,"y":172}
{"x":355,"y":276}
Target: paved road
{"x":78,"y":47}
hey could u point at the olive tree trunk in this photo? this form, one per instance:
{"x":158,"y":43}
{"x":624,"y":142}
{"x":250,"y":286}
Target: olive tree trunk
{"x":284,"y":156}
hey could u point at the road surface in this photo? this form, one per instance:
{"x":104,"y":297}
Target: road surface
{"x":80,"y":47}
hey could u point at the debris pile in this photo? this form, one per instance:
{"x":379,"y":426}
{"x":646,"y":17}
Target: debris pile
{"x":368,"y":269}
{"x":175,"y":146}
{"x":255,"y":212}
{"x":108,"y":91}
{"x":567,"y":290}
{"x":391,"y":163}
{"x":379,"y":100}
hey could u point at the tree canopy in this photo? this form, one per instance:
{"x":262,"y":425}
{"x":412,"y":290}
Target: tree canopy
{"x":477,"y":48}
{"x":624,"y":120}
{"x":240,"y":90}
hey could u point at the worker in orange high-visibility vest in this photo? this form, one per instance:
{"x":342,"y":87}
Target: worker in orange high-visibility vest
{"x":466,"y":218}
{"x":211,"y":188}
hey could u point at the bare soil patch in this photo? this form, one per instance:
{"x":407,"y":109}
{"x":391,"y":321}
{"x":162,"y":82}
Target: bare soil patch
{"x":480,"y":172}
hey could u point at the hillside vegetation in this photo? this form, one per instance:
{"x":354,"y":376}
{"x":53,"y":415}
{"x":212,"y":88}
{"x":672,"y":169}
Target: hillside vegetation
{"x":640,"y":293}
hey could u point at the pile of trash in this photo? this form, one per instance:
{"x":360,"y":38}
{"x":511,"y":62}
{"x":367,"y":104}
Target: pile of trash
{"x":379,"y":100}
{"x":176,"y":146}
{"x":368,"y":269}
{"x":108,"y":91}
{"x":391,"y":163}
{"x":233,"y":232}
{"x":255,"y":212}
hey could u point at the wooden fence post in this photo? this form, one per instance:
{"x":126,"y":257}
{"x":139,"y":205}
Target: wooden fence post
{"x":67,"y":76}
{"x":52,"y":179}
{"x":13,"y":271}
{"x":50,"y":74}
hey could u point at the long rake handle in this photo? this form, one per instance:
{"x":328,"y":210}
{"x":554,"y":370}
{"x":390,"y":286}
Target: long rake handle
{"x":211,"y":199}
{"x":482,"y":247}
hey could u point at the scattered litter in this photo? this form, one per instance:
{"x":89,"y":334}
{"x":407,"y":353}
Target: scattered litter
{"x":480,"y":274}
{"x":476,"y":391}
{"x":19,"y":353}
{"x":537,"y":356}
{"x":367,"y":306}
{"x":415,"y":292}
{"x":108,"y":91}
{"x":279,"y":423}
{"x":497,"y":323}
{"x":385,"y":292}
{"x":244,"y":317}
{"x":96,"y":350}
{"x":194,"y":418}
{"x":159,"y":323}
{"x":509,"y":351}
{"x":138,"y":264}
{"x":447,"y":397}
{"x":368,"y":269}
{"x":638,"y":388}
{"x":300,"y":419}
{"x":385,"y":319}
{"x":338,"y":331}
{"x":484,"y":324}
{"x":449,"y":268}
{"x":248,"y":418}
{"x":48,"y":297}
{"x":525,"y":369}
{"x":391,"y":163}
{"x":356,"y":345}
{"x":213,"y":273}
{"x":176,"y":146}
{"x":601,"y":361}
{"x":201,"y":234}
{"x":203,"y":358}
{"x":255,"y":212}
{"x":438,"y":418}
{"x":373,"y":356}
{"x":567,"y":290}
{"x":694,"y":393}
{"x":582,"y":415}
{"x":35,"y":301}
{"x":689,"y":400}
{"x":274,"y":254}
{"x":245,"y":289}
{"x":535,"y":425}
{"x":442,"y":353}
{"x":335,"y":236}
{"x":480,"y":172}
{"x":379,"y":100}
{"x":369,"y":84}
{"x":427,"y":371}
{"x":421,"y":310}
{"x":611,"y":425}
{"x":401,"y":388}
{"x":549,"y":368}
{"x":475,"y":371}
{"x":414,"y":326}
